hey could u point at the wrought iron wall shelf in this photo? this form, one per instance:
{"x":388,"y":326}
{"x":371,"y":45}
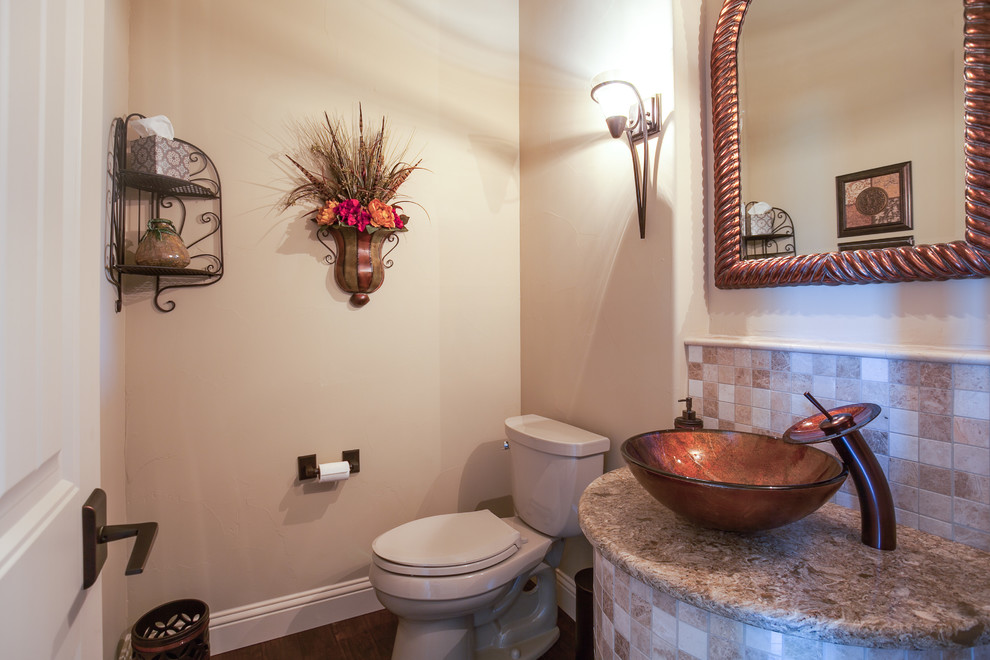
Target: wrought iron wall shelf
{"x":134,"y":196}
{"x":772,"y":235}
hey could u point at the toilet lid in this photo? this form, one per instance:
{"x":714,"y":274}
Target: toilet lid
{"x":449,"y":544}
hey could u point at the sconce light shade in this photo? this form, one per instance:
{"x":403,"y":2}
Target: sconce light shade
{"x":625,"y":113}
{"x":618,"y":102}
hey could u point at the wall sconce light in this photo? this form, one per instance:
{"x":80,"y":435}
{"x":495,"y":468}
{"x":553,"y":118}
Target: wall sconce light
{"x":625,"y":113}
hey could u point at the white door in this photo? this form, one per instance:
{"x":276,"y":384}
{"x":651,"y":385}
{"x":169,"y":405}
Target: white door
{"x":51,"y":192}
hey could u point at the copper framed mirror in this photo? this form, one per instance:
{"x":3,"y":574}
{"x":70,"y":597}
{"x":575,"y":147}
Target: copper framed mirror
{"x":962,"y":259}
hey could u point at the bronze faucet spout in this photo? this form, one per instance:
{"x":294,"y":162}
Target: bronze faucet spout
{"x":841,"y":426}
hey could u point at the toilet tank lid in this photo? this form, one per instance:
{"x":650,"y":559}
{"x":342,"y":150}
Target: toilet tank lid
{"x":553,"y":437}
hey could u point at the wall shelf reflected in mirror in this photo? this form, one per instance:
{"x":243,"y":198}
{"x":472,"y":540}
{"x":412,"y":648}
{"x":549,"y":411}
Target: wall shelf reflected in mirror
{"x":959,"y":259}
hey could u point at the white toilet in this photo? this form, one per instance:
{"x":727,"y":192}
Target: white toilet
{"x":471,"y":585}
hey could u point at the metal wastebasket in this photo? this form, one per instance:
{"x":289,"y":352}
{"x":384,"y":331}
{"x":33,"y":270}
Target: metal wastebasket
{"x":584,"y":580}
{"x":179,"y":629}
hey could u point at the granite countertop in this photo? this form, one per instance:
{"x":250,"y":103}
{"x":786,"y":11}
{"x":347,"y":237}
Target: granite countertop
{"x":813,"y":578}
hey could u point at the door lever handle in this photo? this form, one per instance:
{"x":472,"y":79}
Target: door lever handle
{"x":96,"y":534}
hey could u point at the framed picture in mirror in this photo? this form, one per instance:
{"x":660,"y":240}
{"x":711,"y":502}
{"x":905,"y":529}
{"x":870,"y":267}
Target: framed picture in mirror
{"x":874,"y":201}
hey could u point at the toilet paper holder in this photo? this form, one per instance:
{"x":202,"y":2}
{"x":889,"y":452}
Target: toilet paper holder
{"x":309,"y":468}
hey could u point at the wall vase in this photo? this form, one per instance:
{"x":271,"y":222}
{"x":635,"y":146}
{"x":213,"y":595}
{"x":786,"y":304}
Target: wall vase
{"x":358,"y":263}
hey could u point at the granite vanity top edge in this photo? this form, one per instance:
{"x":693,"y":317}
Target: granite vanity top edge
{"x":631,"y":530}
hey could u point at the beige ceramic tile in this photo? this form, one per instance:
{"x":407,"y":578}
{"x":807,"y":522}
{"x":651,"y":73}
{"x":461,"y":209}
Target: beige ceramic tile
{"x":780,"y":361}
{"x":935,"y":427}
{"x":972,"y":487}
{"x":935,"y":479}
{"x":780,"y":381}
{"x":968,"y":431}
{"x":969,"y":403}
{"x":933,"y":452}
{"x":824,"y":387}
{"x":744,"y":396}
{"x":936,"y":527}
{"x":905,"y":497}
{"x":848,"y":389}
{"x":904,"y":396}
{"x":903,"y":472}
{"x":971,"y":377}
{"x":934,"y":505}
{"x":802,"y":363}
{"x":761,"y":398}
{"x":801,"y":383}
{"x":935,"y":400}
{"x":823,"y":365}
{"x":904,"y":372}
{"x":972,"y":514}
{"x":743,"y":415}
{"x":874,"y":392}
{"x":971,"y":459}
{"x":760,"y":359}
{"x":936,"y":374}
{"x":848,"y":367}
{"x":761,"y":378}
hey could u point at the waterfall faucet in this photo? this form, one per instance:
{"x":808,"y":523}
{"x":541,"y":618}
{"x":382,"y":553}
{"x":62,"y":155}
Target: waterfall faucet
{"x":841,"y":426}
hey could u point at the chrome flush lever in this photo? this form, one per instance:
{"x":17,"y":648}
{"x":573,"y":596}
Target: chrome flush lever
{"x":96,"y":534}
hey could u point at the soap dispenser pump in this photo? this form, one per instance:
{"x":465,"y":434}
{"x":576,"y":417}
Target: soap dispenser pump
{"x":689,"y":418}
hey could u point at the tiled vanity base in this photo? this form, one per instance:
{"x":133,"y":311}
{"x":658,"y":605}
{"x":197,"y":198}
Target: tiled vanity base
{"x":634,"y":621}
{"x":665,"y":588}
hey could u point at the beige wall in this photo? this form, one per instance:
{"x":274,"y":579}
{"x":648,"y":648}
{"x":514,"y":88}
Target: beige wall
{"x":939,"y":314}
{"x":271,"y":363}
{"x":603,"y":312}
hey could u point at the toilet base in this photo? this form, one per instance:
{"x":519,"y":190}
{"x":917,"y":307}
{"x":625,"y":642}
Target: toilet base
{"x":524,"y":625}
{"x":521,"y":625}
{"x":446,"y":638}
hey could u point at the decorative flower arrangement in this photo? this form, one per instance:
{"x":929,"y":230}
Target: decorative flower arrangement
{"x":352,"y":182}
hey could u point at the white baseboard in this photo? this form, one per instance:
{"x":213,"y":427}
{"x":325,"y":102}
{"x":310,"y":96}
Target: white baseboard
{"x":259,"y":622}
{"x":567,"y":594}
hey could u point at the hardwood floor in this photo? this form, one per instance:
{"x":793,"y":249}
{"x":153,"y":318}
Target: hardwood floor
{"x":368,"y":637}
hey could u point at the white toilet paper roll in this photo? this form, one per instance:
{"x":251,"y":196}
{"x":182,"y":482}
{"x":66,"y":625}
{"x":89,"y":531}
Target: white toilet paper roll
{"x":337,"y":471}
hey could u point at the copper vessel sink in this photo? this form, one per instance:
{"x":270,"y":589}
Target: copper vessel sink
{"x":741,"y":482}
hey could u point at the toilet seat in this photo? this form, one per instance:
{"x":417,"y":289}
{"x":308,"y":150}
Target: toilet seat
{"x":448,"y":544}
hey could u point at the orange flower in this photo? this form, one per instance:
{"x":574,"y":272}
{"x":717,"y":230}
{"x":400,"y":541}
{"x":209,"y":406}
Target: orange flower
{"x":327,"y":215}
{"x":382,"y":215}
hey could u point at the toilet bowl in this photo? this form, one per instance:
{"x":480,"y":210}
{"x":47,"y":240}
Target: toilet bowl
{"x":440,"y":607}
{"x":472,"y":585}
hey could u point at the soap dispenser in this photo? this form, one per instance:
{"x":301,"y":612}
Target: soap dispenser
{"x":689,"y":418}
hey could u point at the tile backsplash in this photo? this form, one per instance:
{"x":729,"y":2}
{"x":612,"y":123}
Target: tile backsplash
{"x":932,"y":437}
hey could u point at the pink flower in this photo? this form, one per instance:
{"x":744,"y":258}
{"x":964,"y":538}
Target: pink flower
{"x":353,"y":215}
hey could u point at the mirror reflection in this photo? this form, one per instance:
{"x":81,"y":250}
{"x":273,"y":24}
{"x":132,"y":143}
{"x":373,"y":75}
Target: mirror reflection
{"x":830,"y":91}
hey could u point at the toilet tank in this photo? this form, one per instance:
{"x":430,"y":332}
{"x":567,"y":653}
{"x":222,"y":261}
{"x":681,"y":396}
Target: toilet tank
{"x":552,"y":463}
